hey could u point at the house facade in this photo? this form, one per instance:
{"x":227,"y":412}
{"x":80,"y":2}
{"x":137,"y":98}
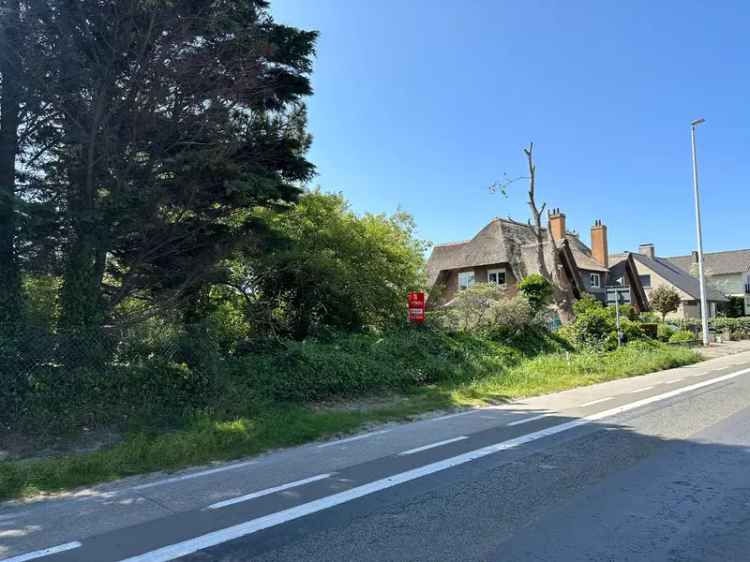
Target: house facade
{"x":655,"y":272}
{"x":727,"y":272}
{"x":505,"y":251}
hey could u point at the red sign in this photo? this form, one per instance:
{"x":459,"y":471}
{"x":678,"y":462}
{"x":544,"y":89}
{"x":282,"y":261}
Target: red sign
{"x":416,"y":307}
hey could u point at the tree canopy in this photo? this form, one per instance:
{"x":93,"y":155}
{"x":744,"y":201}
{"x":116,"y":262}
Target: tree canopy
{"x":165,"y":124}
{"x":325,"y":266}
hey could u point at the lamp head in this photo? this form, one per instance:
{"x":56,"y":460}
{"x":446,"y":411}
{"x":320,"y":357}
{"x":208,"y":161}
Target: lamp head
{"x":698,"y":122}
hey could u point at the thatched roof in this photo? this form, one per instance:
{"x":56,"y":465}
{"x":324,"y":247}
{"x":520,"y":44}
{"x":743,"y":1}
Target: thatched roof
{"x":504,"y":241}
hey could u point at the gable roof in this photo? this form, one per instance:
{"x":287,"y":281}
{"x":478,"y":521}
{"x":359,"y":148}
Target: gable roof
{"x":625,"y":266}
{"x":717,"y":263}
{"x":678,"y":277}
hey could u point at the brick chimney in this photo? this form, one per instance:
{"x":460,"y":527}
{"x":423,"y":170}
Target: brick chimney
{"x":599,"y":247}
{"x":557,"y":224}
{"x":647,"y":250}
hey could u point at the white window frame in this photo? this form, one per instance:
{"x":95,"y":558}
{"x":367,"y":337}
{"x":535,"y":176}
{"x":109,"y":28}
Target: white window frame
{"x":598,"y":277}
{"x":470,"y":283}
{"x":498,"y":272}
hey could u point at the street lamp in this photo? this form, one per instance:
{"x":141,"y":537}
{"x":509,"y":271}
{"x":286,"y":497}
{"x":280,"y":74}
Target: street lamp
{"x":699,"y":232}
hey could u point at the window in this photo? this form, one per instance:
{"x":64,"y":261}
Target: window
{"x":465,"y":279}
{"x":496,"y":276}
{"x":596,"y":281}
{"x":645,"y":281}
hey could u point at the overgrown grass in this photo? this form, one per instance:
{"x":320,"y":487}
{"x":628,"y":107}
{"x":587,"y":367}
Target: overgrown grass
{"x":475,"y":372}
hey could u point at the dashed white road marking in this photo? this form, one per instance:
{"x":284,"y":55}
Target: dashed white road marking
{"x":599,"y":401}
{"x":355,"y":438}
{"x":268,"y":491}
{"x":527,"y":420}
{"x":45,"y":552}
{"x":644,"y":389}
{"x":433,"y":445}
{"x":177,"y":550}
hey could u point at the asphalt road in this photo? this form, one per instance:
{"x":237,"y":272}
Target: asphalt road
{"x":651,"y":468}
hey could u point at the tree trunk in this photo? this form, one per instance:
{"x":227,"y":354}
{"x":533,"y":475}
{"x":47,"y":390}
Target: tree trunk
{"x":10,"y":284}
{"x":561,"y":290}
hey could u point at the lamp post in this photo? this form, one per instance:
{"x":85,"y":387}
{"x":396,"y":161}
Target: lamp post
{"x":699,"y":232}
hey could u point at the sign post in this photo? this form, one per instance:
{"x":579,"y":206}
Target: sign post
{"x":416,"y":307}
{"x":618,"y":289}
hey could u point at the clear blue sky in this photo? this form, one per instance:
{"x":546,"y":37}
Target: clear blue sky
{"x":422,"y":104}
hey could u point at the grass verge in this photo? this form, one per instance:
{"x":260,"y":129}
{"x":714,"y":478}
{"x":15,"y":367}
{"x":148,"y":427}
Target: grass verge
{"x":204,"y":439}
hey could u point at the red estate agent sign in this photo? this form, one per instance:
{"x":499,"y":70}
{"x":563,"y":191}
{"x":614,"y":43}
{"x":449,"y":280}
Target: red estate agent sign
{"x":416,"y":307}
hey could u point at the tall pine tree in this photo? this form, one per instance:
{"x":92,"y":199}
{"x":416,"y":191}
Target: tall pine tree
{"x":170,"y":121}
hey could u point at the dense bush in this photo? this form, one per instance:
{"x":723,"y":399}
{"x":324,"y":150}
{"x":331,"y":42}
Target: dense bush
{"x":324,"y":267}
{"x":738,"y":328}
{"x":665,"y":331}
{"x":537,"y":290}
{"x":486,"y":309}
{"x":682,"y":336}
{"x":595,"y":326}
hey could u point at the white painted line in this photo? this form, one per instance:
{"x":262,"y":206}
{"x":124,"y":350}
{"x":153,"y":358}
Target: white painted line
{"x":433,"y":445}
{"x":672,"y":381}
{"x":448,"y":416}
{"x":187,"y":477}
{"x":208,"y":540}
{"x":355,"y":438}
{"x":41,"y":553}
{"x":595,"y":402}
{"x":644,"y":389}
{"x":268,"y":491}
{"x":527,"y":420}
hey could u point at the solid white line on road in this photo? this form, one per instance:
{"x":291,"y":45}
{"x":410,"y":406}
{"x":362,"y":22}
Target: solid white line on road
{"x":268,"y":491}
{"x":355,"y":438}
{"x":433,"y":445}
{"x":595,"y":402}
{"x":214,"y":538}
{"x":448,"y":416}
{"x":527,"y":420}
{"x":41,"y":553}
{"x":187,"y":476}
{"x":644,"y":389}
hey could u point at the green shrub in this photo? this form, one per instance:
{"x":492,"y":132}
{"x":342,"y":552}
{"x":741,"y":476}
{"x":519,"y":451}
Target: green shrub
{"x":537,"y":290}
{"x":682,"y":336}
{"x":738,"y":328}
{"x":664,"y":331}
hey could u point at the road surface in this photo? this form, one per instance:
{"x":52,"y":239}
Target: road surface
{"x":649,"y":468}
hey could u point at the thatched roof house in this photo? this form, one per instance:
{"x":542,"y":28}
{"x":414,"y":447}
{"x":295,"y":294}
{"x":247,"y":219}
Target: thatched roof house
{"x":505,"y":251}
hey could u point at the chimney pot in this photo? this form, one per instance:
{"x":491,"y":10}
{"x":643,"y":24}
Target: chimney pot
{"x":557,"y":224}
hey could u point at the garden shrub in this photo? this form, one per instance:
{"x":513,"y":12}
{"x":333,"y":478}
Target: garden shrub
{"x":664,"y":331}
{"x":682,"y":336}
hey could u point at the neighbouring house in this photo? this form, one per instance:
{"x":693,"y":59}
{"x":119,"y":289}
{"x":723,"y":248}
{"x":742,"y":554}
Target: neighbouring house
{"x":505,"y":251}
{"x":727,"y":272}
{"x":658,"y":272}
